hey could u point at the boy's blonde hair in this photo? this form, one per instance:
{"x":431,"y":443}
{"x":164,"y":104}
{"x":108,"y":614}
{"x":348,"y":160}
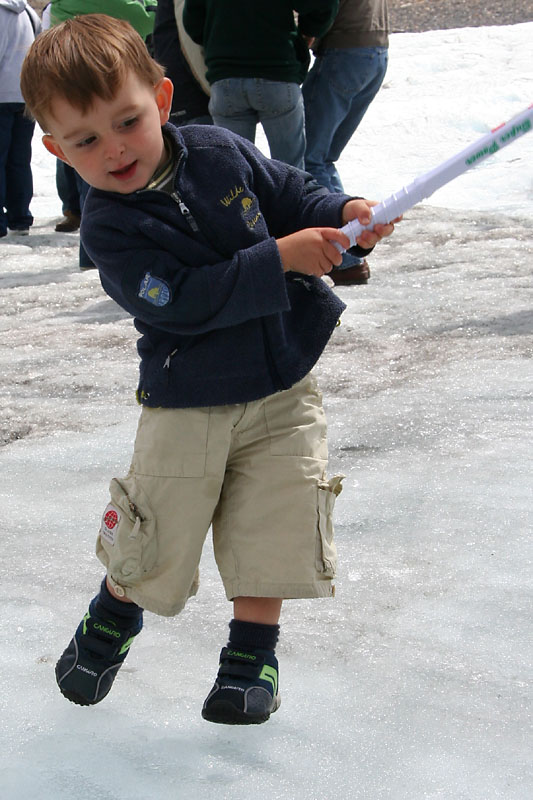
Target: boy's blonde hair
{"x":81,"y":59}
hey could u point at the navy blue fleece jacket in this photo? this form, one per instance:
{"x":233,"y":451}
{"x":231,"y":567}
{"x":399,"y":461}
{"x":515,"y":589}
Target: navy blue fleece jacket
{"x":200,"y":271}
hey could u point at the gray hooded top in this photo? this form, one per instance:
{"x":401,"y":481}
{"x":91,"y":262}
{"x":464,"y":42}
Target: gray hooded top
{"x":18,"y":26}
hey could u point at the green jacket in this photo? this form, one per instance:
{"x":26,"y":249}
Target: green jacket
{"x":133,"y":11}
{"x":257,"y":38}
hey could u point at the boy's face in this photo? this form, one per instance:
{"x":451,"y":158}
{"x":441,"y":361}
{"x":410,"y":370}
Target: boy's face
{"x":115,"y":145}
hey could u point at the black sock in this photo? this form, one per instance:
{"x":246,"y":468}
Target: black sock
{"x":125,"y":614}
{"x":251,"y":635}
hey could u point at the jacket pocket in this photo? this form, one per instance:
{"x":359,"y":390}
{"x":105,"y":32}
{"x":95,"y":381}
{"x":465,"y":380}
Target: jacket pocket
{"x":127,"y":540}
{"x":326,"y":552}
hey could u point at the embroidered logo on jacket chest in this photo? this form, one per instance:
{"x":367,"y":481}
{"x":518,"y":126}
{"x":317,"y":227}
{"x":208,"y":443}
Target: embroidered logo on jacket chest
{"x":248,"y":206}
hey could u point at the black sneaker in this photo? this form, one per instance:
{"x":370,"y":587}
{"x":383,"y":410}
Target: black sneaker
{"x":246,"y":688}
{"x":86,"y":670}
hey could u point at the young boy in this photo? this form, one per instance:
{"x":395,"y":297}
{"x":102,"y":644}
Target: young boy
{"x":218,"y":253}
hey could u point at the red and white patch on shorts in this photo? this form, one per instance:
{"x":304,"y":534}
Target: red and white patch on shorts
{"x":110,"y":521}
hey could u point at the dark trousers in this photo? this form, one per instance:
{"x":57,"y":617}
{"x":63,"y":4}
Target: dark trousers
{"x":72,"y":191}
{"x":67,"y":187}
{"x":16,"y":181}
{"x":83,"y":188}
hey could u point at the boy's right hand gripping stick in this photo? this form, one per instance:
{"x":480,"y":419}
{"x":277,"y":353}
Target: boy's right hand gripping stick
{"x":424,"y":186}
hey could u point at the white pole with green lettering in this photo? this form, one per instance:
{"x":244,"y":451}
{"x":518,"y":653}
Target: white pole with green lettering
{"x":424,"y":186}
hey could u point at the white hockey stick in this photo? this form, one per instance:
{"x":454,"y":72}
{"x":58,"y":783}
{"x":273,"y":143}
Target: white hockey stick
{"x":424,"y":186}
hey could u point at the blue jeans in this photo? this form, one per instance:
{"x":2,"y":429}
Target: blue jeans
{"x":16,"y":180}
{"x":241,"y":103}
{"x":337,"y":92}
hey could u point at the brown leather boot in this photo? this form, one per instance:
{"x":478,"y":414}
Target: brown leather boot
{"x":69,"y":223}
{"x":351,"y":276}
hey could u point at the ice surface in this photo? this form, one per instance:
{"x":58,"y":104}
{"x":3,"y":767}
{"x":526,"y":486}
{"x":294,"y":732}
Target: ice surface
{"x":415,"y":682}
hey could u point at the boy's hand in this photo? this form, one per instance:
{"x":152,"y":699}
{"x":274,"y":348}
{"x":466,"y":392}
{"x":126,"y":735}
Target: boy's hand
{"x":310,"y":251}
{"x":360,"y":210}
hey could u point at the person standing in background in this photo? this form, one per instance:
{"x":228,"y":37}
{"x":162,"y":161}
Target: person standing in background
{"x":350,"y":65}
{"x":19,"y":25}
{"x":138,"y":13}
{"x":257,"y":57}
{"x":66,"y":178}
{"x":191,"y":98}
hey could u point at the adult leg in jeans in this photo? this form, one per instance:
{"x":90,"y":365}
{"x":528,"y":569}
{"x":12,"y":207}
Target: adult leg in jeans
{"x":16,"y":180}
{"x":230,"y":107}
{"x":370,"y":66}
{"x":239,"y":104}
{"x":281,"y":113}
{"x":337,"y":92}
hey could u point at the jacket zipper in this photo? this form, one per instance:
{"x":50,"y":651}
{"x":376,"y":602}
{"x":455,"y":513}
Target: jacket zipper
{"x":175,"y":195}
{"x":178,"y":199}
{"x":185,"y":211}
{"x":171,"y":355}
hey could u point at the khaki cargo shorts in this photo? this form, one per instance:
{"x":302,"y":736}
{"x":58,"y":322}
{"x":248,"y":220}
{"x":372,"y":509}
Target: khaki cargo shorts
{"x":255,"y":472}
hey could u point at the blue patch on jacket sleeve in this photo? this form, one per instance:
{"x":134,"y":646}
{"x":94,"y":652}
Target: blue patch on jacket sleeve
{"x":154,"y":290}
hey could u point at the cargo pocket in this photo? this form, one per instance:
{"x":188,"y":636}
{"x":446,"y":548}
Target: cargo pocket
{"x":326,"y":552}
{"x":127,"y":540}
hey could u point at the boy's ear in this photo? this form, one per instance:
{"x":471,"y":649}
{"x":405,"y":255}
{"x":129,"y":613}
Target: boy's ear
{"x":52,"y":147}
{"x":163,"y":97}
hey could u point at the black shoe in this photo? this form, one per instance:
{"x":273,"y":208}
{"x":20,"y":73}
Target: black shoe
{"x":357,"y":275}
{"x":86,"y":670}
{"x":246,"y":688}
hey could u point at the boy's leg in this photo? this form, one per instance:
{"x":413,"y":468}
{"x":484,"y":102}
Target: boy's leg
{"x":246,"y":687}
{"x":263,"y":610}
{"x":87,"y":668}
{"x":273,"y":539}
